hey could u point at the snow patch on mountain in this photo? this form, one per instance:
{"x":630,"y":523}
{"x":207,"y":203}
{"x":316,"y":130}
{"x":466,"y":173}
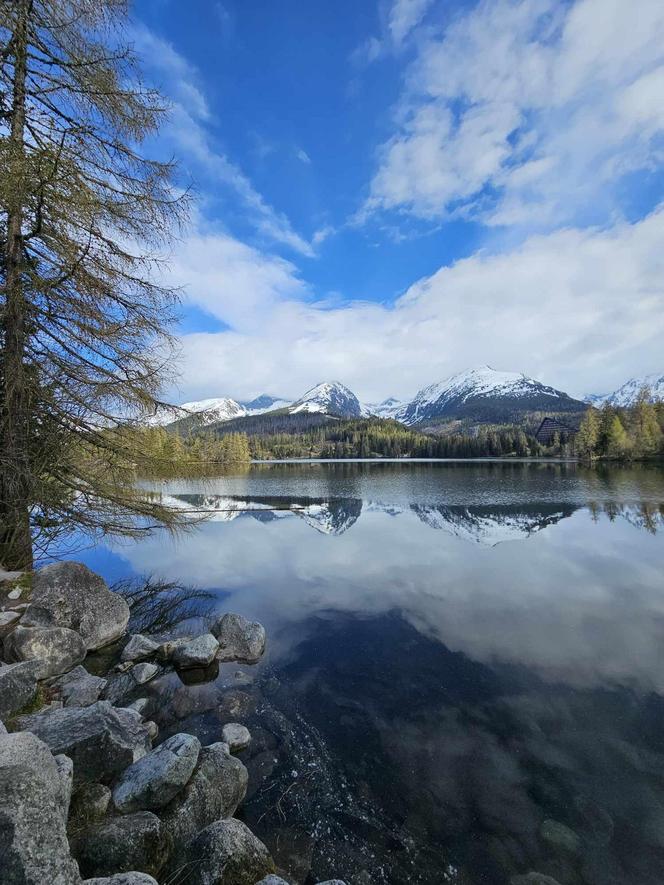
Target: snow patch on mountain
{"x":389,"y":408}
{"x":627,"y":394}
{"x":329,"y":398}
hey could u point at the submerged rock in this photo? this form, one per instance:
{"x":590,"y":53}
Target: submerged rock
{"x":236,"y":736}
{"x":57,"y":649}
{"x":198,"y":652}
{"x":33,"y":839}
{"x":78,"y":688}
{"x":122,"y":844}
{"x":533,"y":879}
{"x":18,"y":686}
{"x":68,"y":594}
{"x":139,"y":648}
{"x":239,"y":639}
{"x":155,"y":779}
{"x":215,"y":790}
{"x":560,"y":836}
{"x":101,"y":740}
{"x":226,"y":853}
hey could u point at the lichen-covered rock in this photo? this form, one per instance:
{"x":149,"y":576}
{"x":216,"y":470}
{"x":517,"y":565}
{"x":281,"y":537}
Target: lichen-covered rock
{"x":101,"y":740}
{"x":57,"y":649}
{"x":68,"y":594}
{"x":122,"y":844}
{"x":236,"y":736}
{"x":214,"y":791}
{"x":18,"y":686}
{"x":143,"y":673}
{"x":90,"y":802}
{"x":139,"y":648}
{"x":33,"y":840}
{"x":123,"y":879}
{"x":239,"y":639}
{"x":155,"y":779}
{"x":198,"y":652}
{"x":226,"y":853}
{"x":78,"y":688}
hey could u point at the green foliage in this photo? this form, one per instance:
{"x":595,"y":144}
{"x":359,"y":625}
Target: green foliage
{"x":623,"y":433}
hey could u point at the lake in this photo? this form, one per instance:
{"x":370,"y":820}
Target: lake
{"x":464,"y":678}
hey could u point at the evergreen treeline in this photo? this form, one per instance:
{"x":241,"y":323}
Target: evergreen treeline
{"x":156,"y":445}
{"x":622,"y":434}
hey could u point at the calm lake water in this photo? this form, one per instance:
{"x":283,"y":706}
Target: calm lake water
{"x":465,"y":670}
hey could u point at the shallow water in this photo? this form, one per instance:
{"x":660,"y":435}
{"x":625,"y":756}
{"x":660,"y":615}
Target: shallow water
{"x":459,"y":654}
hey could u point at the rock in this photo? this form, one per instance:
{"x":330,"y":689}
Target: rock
{"x":235,"y":703}
{"x":33,"y":840}
{"x":236,"y":736}
{"x":239,"y":639}
{"x":123,"y":879}
{"x":560,"y":836}
{"x":91,"y":802}
{"x":66,"y":772}
{"x":139,"y":648}
{"x":15,"y":593}
{"x":8,"y":620}
{"x":101,"y":740}
{"x":227,"y":853}
{"x":533,"y":879}
{"x":57,"y":649}
{"x":123,"y":667}
{"x":122,"y":844}
{"x":118,"y":686}
{"x":18,"y":686}
{"x":139,"y":706}
{"x":158,"y":776}
{"x":152,"y":727}
{"x":272,"y":880}
{"x":166,"y":650}
{"x":78,"y":688}
{"x":197,"y":652}
{"x":215,"y":790}
{"x":143,"y":673}
{"x":199,"y":675}
{"x":3,"y":730}
{"x":68,"y":594}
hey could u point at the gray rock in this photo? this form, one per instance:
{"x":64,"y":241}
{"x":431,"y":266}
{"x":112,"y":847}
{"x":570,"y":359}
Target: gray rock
{"x":122,"y":844}
{"x":123,"y":666}
{"x":227,"y":853}
{"x":3,"y":730}
{"x":239,"y":639}
{"x":197,"y":652}
{"x":123,"y":879}
{"x":118,"y":686}
{"x":8,"y":620}
{"x":139,"y":648}
{"x":152,"y":727}
{"x":272,"y":880}
{"x":66,"y":772}
{"x":139,"y":706}
{"x":68,"y":594}
{"x":157,"y":777}
{"x":90,"y":802}
{"x":57,"y":649}
{"x":101,"y":740}
{"x":332,"y":882}
{"x":33,"y":840}
{"x":78,"y":688}
{"x":166,"y":650}
{"x":236,"y":736}
{"x":143,"y":673}
{"x":18,"y":686}
{"x":15,"y":593}
{"x":215,"y":790}
{"x":533,"y":879}
{"x":560,"y":836}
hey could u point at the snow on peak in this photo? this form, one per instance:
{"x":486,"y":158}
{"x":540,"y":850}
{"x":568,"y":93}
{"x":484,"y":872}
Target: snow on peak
{"x":628,"y":393}
{"x":331,"y":398}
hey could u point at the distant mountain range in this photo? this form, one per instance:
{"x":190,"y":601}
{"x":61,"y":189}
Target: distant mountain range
{"x":479,"y":395}
{"x":626,"y":394}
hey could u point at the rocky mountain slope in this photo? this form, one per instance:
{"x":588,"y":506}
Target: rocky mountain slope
{"x":627,"y":394}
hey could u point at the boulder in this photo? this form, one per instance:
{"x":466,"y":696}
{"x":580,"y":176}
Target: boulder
{"x":122,"y":844}
{"x":78,"y":688}
{"x":156,"y":778}
{"x":90,"y":802}
{"x":123,"y":879}
{"x":57,"y":649}
{"x":198,"y":652}
{"x":215,"y":790}
{"x":3,"y":730}
{"x":236,"y":736}
{"x":143,"y":673}
{"x":8,"y":620}
{"x":560,"y":836}
{"x":66,"y":772}
{"x":227,"y":853}
{"x":139,"y":648}
{"x":18,"y":686}
{"x":166,"y":650}
{"x":33,"y":840}
{"x":68,"y":594}
{"x":118,"y":686}
{"x":239,"y":639}
{"x":101,"y":740}
{"x":139,"y":706}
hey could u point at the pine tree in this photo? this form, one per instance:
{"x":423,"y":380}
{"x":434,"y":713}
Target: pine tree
{"x":82,"y":324}
{"x":617,"y":442}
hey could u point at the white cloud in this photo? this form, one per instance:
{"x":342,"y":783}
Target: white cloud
{"x":404,"y":16}
{"x":581,"y":309}
{"x":303,"y":156}
{"x":537,"y":102}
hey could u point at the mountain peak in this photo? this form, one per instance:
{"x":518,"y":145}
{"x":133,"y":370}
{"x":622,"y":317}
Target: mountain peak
{"x":329,"y":397}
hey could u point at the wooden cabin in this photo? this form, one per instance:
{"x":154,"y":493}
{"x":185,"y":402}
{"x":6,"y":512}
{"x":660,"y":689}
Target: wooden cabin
{"x":549,"y":428}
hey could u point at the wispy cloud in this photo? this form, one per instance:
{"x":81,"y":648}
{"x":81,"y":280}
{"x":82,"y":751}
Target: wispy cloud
{"x":404,"y":16}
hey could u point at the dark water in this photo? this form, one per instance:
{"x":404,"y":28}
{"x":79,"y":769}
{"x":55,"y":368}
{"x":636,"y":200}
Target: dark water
{"x":465,"y":673}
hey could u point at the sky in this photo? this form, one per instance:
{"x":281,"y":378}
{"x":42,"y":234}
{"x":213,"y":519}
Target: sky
{"x":391,"y":191}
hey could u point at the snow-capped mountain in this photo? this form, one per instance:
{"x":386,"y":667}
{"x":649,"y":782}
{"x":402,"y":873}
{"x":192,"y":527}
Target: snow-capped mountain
{"x":211,"y":411}
{"x":389,"y":408}
{"x":628,"y":393}
{"x":264,"y":403}
{"x":329,"y":398}
{"x":485,"y":394}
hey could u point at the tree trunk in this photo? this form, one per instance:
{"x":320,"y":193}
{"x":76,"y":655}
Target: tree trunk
{"x":15,"y":472}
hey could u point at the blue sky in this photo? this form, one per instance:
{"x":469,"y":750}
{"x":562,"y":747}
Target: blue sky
{"x":394,"y":190}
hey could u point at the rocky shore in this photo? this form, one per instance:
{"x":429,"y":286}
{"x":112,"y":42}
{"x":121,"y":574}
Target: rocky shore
{"x":88,"y":793}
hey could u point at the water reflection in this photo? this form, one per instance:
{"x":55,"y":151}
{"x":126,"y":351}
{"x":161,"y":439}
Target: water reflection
{"x":457,"y":655}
